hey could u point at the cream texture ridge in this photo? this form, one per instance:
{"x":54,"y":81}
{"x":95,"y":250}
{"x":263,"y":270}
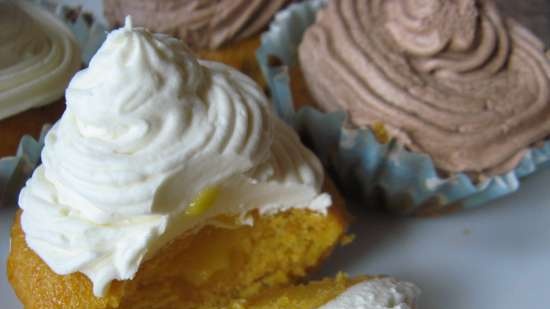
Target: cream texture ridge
{"x":383,"y":293}
{"x":154,"y":144}
{"x":452,"y":79}
{"x":38,"y":57}
{"x":206,"y":24}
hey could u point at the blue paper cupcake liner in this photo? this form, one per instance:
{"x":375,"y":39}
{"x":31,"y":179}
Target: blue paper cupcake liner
{"x":89,"y":34}
{"x":15,"y":170}
{"x":409,"y":181}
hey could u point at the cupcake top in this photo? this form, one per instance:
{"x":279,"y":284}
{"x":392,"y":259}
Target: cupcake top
{"x":154,"y":144}
{"x":452,"y":79}
{"x":383,"y":293}
{"x":202,"y":24}
{"x":38,"y":57}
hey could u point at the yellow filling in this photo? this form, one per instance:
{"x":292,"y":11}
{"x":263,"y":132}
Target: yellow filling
{"x":380,"y":132}
{"x":204,"y":200}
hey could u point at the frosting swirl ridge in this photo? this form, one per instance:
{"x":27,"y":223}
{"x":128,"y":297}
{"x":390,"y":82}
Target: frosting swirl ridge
{"x":147,"y":130}
{"x":452,"y":79}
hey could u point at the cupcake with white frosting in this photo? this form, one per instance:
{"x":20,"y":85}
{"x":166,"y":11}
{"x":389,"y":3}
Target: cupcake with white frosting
{"x":167,"y":183}
{"x":38,"y":57}
{"x":454,"y":99}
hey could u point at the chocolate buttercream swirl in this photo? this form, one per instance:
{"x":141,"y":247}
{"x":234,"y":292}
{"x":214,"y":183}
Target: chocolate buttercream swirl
{"x":201,"y":23}
{"x":452,"y":79}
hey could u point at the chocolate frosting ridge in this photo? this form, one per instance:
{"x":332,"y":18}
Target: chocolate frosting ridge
{"x":201,"y":23}
{"x":452,"y":79}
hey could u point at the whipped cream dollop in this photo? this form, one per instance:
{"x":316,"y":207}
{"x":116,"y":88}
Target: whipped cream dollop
{"x":202,"y":24}
{"x":154,"y":144}
{"x":38,"y":57}
{"x":384,"y":293}
{"x":452,"y":79}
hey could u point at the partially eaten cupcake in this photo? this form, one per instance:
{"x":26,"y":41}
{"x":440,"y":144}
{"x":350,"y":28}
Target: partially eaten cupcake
{"x":167,"y":183}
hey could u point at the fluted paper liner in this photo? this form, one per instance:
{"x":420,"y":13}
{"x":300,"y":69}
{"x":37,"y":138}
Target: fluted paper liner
{"x":15,"y":170}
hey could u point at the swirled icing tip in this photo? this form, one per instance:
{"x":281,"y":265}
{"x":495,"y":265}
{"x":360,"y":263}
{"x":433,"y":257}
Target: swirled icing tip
{"x":128,"y":22}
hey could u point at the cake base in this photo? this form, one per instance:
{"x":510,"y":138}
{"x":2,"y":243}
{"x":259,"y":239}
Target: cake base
{"x":301,"y":96}
{"x":207,"y":269}
{"x":30,"y":122}
{"x":308,"y":296}
{"x":240,"y":55}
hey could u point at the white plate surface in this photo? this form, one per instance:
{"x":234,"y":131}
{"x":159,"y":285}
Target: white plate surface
{"x":496,"y":256}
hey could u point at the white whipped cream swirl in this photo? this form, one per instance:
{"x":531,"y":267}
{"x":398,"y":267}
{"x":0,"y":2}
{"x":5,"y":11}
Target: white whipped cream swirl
{"x":38,"y":57}
{"x":383,"y":293}
{"x":146,"y":130}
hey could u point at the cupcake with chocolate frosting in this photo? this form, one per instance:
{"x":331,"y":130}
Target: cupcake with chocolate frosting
{"x":38,"y":56}
{"x":446,"y":86}
{"x":226,"y":31}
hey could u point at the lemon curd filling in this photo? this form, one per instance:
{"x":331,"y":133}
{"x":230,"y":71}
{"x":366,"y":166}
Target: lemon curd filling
{"x":380,"y":132}
{"x":204,"y":201}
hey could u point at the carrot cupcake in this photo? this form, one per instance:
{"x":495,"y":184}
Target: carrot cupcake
{"x":167,"y":183}
{"x":226,"y":31}
{"x":454,"y":98}
{"x":38,"y":57}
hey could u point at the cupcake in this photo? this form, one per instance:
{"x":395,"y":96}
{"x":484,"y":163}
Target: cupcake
{"x":167,"y":183}
{"x":338,"y":293}
{"x":225,"y":31}
{"x":451,"y":99}
{"x":38,"y":56}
